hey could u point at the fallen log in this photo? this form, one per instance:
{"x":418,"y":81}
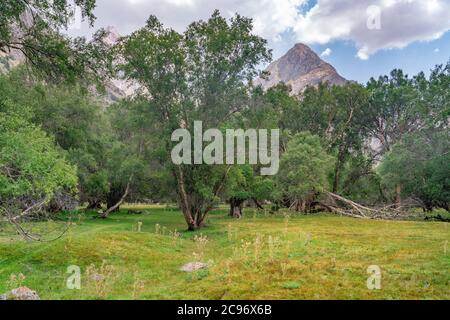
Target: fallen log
{"x":357,"y":210}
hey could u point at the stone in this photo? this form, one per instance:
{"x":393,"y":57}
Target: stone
{"x":22,"y":293}
{"x":300,"y":67}
{"x":194,"y":266}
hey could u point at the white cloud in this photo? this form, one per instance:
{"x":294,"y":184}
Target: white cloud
{"x":401,"y":23}
{"x":326,"y":53}
{"x":436,"y":50}
{"x":271,"y":17}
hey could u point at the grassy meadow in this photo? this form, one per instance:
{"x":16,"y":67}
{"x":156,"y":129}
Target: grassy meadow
{"x":262,"y":256}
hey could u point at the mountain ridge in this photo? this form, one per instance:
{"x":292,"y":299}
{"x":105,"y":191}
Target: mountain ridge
{"x":300,"y":67}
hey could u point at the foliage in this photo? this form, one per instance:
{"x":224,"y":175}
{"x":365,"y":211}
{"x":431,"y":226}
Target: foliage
{"x":332,"y":137}
{"x":32,"y":169}
{"x":200,"y":75}
{"x":136,"y":152}
{"x":394,"y":108}
{"x":420,"y":164}
{"x":360,"y":182}
{"x":33,"y":29}
{"x":75,"y":120}
{"x":305,"y":167}
{"x":338,"y":114}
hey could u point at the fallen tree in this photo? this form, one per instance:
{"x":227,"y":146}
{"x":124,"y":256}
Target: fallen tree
{"x":350,"y":208}
{"x":335,"y":203}
{"x":114,"y":207}
{"x":21,"y":221}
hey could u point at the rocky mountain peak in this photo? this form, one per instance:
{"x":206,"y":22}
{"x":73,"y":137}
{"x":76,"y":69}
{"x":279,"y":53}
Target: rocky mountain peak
{"x":300,"y":67}
{"x":113,"y":35}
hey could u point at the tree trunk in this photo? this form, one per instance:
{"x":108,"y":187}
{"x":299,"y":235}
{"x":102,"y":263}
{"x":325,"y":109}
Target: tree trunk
{"x":298,"y":205}
{"x":113,"y":197}
{"x":196,"y":226}
{"x":94,"y":205}
{"x":286,"y":202}
{"x":113,"y":207}
{"x":258,"y":205}
{"x":428,"y":205}
{"x":195,"y":220}
{"x":337,"y":171}
{"x":236,"y":207}
{"x":194,"y":210}
{"x":194,"y":214}
{"x":303,"y":204}
{"x":398,"y":196}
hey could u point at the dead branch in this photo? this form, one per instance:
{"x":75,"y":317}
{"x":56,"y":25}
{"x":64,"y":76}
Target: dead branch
{"x":353,"y":209}
{"x":25,"y":234}
{"x":122,"y":199}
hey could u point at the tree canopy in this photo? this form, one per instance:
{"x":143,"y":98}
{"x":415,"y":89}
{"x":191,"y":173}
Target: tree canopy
{"x":376,"y":143}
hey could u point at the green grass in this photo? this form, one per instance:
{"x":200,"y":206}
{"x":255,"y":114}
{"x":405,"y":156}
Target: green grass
{"x":258,"y":257}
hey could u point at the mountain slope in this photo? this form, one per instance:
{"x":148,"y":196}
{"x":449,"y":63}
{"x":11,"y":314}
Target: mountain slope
{"x":300,"y":67}
{"x":116,"y":89}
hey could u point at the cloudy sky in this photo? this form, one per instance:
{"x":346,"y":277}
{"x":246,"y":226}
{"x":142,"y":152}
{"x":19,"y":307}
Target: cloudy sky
{"x":362,"y":38}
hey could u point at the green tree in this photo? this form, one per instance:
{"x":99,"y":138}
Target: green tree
{"x":201,"y":75}
{"x":275,"y":108}
{"x":33,"y":29}
{"x":402,"y":106}
{"x":242,"y":185}
{"x":338,"y":114}
{"x":434,"y":96}
{"x":360,"y":182}
{"x":131,"y":160}
{"x":76,"y":121}
{"x":394,"y":108}
{"x":304,"y":171}
{"x":32,"y":169}
{"x":420,"y":164}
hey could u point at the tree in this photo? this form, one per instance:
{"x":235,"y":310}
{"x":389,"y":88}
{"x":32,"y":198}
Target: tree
{"x":338,"y":114}
{"x":32,"y":169}
{"x":360,"y":182}
{"x":264,"y":111}
{"x":33,"y":29}
{"x":76,"y":121}
{"x":420,"y":164}
{"x":394,"y":108}
{"x":402,"y":106}
{"x":243,"y":184}
{"x":275,"y":109}
{"x":200,"y":75}
{"x":130,"y":162}
{"x":304,"y":171}
{"x":434,"y":96}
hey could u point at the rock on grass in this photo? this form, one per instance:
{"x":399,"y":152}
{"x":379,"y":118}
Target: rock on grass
{"x":22,"y":293}
{"x":194,"y":266}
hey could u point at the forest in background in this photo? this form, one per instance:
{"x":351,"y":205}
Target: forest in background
{"x":360,"y":150}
